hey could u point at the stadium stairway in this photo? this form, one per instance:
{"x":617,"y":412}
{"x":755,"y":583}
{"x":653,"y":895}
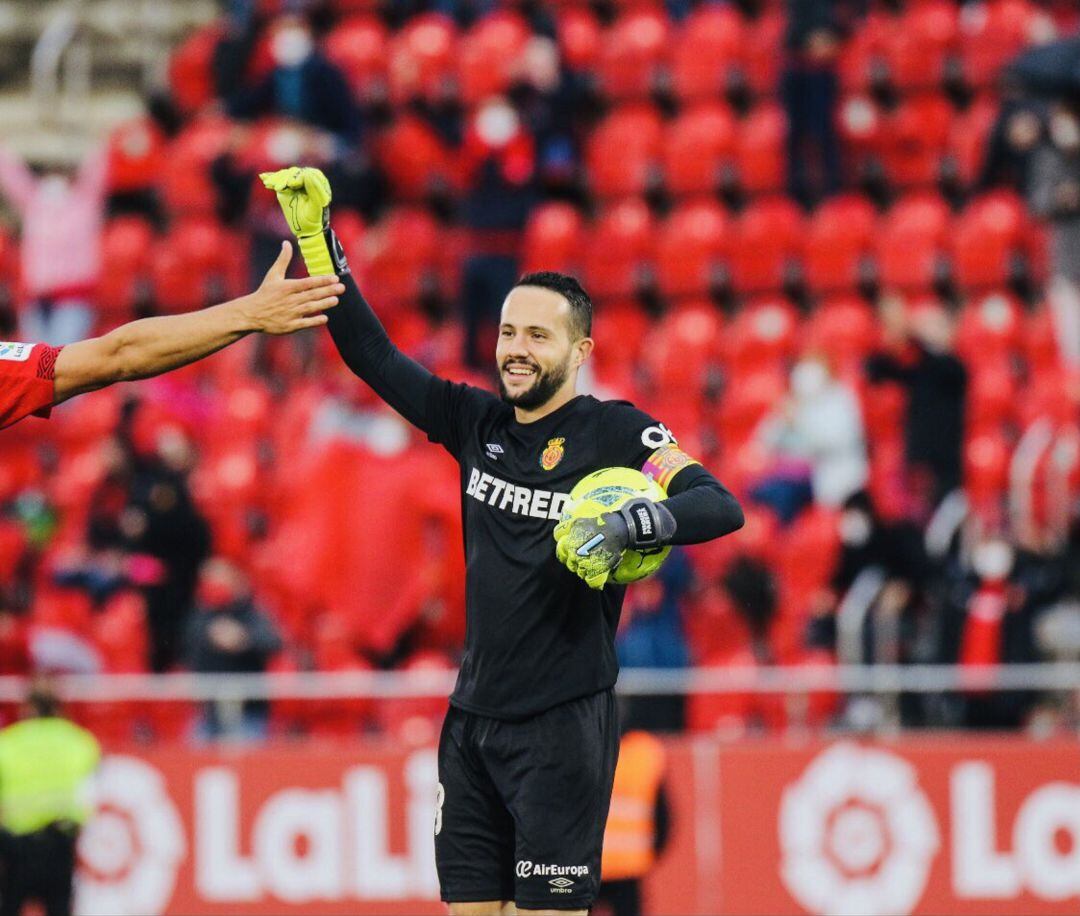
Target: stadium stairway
{"x":117,"y":49}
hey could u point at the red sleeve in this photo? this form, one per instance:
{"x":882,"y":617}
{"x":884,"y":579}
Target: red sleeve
{"x":27,"y":373}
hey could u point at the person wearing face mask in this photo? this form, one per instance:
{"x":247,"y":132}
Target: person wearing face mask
{"x":499,"y":160}
{"x":821,"y":423}
{"x":1054,"y":195}
{"x":303,"y":86}
{"x":228,"y":633}
{"x":60,"y":212}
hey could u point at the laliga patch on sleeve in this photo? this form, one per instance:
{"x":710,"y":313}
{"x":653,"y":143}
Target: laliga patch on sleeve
{"x":15,"y":352}
{"x":665,"y":463}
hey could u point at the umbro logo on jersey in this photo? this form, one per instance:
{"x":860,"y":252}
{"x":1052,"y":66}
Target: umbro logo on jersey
{"x":494,"y":451}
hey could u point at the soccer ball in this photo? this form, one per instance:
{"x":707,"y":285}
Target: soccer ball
{"x":605,"y":491}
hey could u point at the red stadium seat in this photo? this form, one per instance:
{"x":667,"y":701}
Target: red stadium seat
{"x":845,"y":330}
{"x":414,"y":158}
{"x":918,"y":137}
{"x":416,"y":721}
{"x":623,"y":151}
{"x":423,"y":59}
{"x":625,"y":323}
{"x":711,"y":43}
{"x":985,"y":238}
{"x":861,"y":56}
{"x":488,"y":53}
{"x":634,"y":50}
{"x":185,"y":182}
{"x":992,"y":397}
{"x":763,"y":335}
{"x":126,"y":244}
{"x":690,"y":247}
{"x":1040,"y":341}
{"x":760,"y":150}
{"x":401,"y":256}
{"x":839,"y":238}
{"x":553,"y":239}
{"x":680,"y":350}
{"x":992,"y":33}
{"x":359,"y":45}
{"x":986,"y":469}
{"x":136,"y":150}
{"x":990,"y":329}
{"x":580,"y":37}
{"x":190,"y":78}
{"x":728,"y":713}
{"x":619,"y":247}
{"x":764,"y":52}
{"x":747,"y":400}
{"x":910,"y":241}
{"x":769,"y":234}
{"x":698,"y":149}
{"x":968,"y":137}
{"x":917,"y":46}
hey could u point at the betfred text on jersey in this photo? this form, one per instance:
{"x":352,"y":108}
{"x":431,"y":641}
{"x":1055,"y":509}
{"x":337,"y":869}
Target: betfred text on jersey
{"x":509,"y":497}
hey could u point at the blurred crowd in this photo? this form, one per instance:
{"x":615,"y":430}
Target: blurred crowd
{"x":833,"y":245}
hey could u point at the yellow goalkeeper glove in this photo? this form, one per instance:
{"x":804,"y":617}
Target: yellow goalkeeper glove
{"x":304,"y":195}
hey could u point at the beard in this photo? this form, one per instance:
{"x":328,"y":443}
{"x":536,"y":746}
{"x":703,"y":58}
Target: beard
{"x":542,"y":389}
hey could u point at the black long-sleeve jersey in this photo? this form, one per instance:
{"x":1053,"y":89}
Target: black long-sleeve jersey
{"x":536,"y":634}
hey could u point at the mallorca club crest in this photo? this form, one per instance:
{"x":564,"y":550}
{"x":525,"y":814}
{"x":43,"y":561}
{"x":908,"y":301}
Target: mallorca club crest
{"x":553,"y":454}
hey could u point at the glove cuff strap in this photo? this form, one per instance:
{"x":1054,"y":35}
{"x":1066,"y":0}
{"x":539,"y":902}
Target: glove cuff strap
{"x":650,"y":525}
{"x":316,"y":254}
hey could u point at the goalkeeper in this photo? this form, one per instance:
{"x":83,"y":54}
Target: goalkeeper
{"x":528,"y":748}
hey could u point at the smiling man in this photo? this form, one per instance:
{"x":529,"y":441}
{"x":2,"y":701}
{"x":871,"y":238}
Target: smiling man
{"x":528,"y":748}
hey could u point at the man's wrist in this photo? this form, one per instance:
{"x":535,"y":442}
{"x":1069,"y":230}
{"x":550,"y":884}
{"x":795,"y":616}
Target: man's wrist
{"x":241,"y":315}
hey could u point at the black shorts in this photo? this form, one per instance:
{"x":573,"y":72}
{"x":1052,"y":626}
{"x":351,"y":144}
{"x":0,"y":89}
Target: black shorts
{"x":523,"y":805}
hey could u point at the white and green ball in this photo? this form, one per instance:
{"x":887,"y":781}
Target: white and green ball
{"x":607,"y":490}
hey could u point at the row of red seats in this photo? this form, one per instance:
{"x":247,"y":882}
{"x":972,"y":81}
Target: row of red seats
{"x":757,"y":248}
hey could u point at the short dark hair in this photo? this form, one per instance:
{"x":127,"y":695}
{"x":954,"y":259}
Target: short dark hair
{"x":566,"y":286}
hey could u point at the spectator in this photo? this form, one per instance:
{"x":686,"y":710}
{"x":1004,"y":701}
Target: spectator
{"x":230,"y":634}
{"x":821,"y":423}
{"x":303,"y":85}
{"x":161,"y":521}
{"x":651,"y":635}
{"x":62,"y":214}
{"x":1013,"y":139}
{"x":1054,"y":194}
{"x":500,"y":165}
{"x":922,"y":360}
{"x":810,"y":90}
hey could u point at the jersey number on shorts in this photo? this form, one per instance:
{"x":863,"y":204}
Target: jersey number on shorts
{"x":440,"y":797}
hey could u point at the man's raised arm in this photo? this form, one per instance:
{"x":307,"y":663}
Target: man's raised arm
{"x":304,"y":195}
{"x":150,"y":346}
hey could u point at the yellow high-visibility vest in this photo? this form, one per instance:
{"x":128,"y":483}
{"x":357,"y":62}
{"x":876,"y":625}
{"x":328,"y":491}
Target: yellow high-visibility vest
{"x":631,"y":827}
{"x":45,"y":766}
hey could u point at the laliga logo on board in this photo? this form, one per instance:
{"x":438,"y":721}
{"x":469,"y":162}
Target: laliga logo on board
{"x":857,"y":834}
{"x":131,"y":849}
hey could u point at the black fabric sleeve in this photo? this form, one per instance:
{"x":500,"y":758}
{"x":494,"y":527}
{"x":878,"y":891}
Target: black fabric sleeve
{"x":368,"y":351}
{"x":703,"y":507}
{"x":441,"y":409}
{"x":632,"y":438}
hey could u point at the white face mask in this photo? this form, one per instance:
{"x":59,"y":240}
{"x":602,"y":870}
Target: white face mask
{"x":497,"y":124}
{"x":1065,"y":131}
{"x":291,"y":46}
{"x":992,"y":560}
{"x":808,"y":379}
{"x":854,"y":528}
{"x":54,"y":187}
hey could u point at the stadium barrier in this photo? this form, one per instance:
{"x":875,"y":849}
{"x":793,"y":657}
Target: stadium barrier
{"x":949,"y":824}
{"x":327,"y":685}
{"x":946,"y":822}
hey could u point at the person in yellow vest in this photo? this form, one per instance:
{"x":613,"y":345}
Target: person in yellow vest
{"x":638,"y":825}
{"x":45,"y":766}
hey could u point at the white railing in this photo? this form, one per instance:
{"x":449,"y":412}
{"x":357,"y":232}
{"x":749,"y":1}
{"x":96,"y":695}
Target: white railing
{"x":876,"y":679}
